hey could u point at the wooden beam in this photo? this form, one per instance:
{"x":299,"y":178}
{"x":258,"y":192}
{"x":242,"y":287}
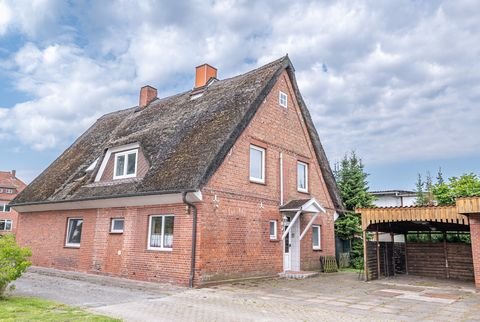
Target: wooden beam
{"x":406,"y":254}
{"x":392,"y":235}
{"x":365,"y":255}
{"x":378,"y":255}
{"x":447,"y":270}
{"x":291,"y":224}
{"x":310,"y":223}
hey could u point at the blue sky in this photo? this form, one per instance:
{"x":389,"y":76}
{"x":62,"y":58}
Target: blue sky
{"x":398,"y":82}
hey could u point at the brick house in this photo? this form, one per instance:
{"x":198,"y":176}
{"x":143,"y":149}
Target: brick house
{"x":225,"y":181}
{"x":10,"y":186}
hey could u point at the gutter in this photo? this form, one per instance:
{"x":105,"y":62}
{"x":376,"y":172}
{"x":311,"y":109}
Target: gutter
{"x":194,"y":238}
{"x":164,"y":192}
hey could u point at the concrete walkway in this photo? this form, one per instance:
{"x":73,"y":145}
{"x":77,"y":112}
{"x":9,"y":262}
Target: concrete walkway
{"x":327,"y":297}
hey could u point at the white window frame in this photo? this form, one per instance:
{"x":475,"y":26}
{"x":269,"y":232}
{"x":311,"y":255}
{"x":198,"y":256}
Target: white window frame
{"x":274,"y":236}
{"x":280,"y":96}
{"x":319,"y":247}
{"x":5,"y":224}
{"x":3,"y":208}
{"x":263,"y":151}
{"x":125,"y":154}
{"x":112,"y":224}
{"x":8,"y":190}
{"x":161,"y":248}
{"x":73,"y":245}
{"x":306,"y":177}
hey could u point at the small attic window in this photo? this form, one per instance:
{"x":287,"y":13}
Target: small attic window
{"x":125,"y":164}
{"x":282,"y":99}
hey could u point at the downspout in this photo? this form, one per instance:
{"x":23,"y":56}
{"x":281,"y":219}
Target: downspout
{"x":281,"y":179}
{"x":194,"y":237}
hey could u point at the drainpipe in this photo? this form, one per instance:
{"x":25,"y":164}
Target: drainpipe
{"x":281,"y":179}
{"x":194,"y":237}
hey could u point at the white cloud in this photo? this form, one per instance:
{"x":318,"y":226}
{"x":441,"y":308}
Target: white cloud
{"x":30,"y":17}
{"x":70,"y":92}
{"x":5,"y":17}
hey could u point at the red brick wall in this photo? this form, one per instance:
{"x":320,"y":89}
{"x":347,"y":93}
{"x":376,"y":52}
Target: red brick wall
{"x":235,"y":240}
{"x":475,"y":238}
{"x":45,"y":234}
{"x":101,"y":252}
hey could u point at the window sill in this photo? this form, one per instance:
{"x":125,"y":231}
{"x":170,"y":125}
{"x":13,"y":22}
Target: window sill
{"x":303,"y":191}
{"x":160,"y":249}
{"x":316,"y":249}
{"x":257,"y":181}
{"x":125,"y":177}
{"x":116,"y":232}
{"x":72,"y":246}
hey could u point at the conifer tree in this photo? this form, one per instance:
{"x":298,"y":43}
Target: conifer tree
{"x":352,"y":183}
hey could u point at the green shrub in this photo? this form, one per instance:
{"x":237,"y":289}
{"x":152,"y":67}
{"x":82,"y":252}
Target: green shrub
{"x":13,"y":261}
{"x":357,"y":263}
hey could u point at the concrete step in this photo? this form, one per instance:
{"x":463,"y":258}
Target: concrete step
{"x":298,"y":274}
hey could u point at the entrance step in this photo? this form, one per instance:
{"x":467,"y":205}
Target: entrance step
{"x":298,"y":275}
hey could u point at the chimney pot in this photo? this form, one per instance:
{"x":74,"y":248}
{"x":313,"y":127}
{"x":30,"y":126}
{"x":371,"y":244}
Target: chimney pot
{"x":14,"y":172}
{"x":147,"y":95}
{"x":203,"y":74}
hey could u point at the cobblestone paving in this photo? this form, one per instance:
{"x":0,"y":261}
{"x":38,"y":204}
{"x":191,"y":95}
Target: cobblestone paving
{"x":328,"y":297}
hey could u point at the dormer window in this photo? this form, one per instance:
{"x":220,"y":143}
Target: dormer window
{"x":125,"y":164}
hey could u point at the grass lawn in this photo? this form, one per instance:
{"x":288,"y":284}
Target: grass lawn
{"x":34,"y":309}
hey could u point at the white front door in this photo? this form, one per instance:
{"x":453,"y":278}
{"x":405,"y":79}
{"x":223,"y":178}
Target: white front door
{"x":291,"y":247}
{"x":287,"y":263}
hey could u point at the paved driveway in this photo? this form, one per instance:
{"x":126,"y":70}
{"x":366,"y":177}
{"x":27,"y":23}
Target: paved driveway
{"x":328,"y":297}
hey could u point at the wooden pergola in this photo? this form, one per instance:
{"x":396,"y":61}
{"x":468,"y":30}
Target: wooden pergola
{"x":402,"y":220}
{"x":435,"y":214}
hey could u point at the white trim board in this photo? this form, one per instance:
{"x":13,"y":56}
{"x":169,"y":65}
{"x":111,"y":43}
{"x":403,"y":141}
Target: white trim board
{"x":150,"y":200}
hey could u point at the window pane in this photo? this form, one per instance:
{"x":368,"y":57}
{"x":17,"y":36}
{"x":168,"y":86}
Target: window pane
{"x":120,"y":165}
{"x":7,"y":208}
{"x":8,"y":225}
{"x":156,"y":232}
{"x":117,"y":224}
{"x":168,"y":232}
{"x":272,"y":228}
{"x":301,"y":176}
{"x":315,"y":235}
{"x":131,"y":163}
{"x":256,"y":166}
{"x":75,"y":231}
{"x":2,"y":224}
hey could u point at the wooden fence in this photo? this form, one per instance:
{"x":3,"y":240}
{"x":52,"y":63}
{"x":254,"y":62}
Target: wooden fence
{"x":449,"y":260}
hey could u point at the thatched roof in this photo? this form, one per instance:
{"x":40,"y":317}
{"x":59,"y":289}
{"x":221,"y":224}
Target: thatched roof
{"x":183,"y":140}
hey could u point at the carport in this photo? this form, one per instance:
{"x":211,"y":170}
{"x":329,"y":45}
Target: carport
{"x":389,"y":250}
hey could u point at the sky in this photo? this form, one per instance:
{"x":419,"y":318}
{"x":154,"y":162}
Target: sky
{"x":396,"y":81}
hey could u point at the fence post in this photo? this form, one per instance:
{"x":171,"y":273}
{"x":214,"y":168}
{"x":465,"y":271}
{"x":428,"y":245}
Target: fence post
{"x":365,"y":255}
{"x":446,"y":253}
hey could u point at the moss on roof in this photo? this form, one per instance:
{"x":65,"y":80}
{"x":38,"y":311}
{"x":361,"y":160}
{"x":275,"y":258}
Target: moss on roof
{"x":184,"y":141}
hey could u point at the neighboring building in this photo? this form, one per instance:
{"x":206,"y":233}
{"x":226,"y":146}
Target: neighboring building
{"x":394,"y":198}
{"x":228,"y":180}
{"x":10,"y":186}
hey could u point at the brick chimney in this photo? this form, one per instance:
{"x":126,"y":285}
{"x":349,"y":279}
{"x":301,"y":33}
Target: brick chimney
{"x":203,"y":74}
{"x":14,"y":172}
{"x":147,"y":95}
